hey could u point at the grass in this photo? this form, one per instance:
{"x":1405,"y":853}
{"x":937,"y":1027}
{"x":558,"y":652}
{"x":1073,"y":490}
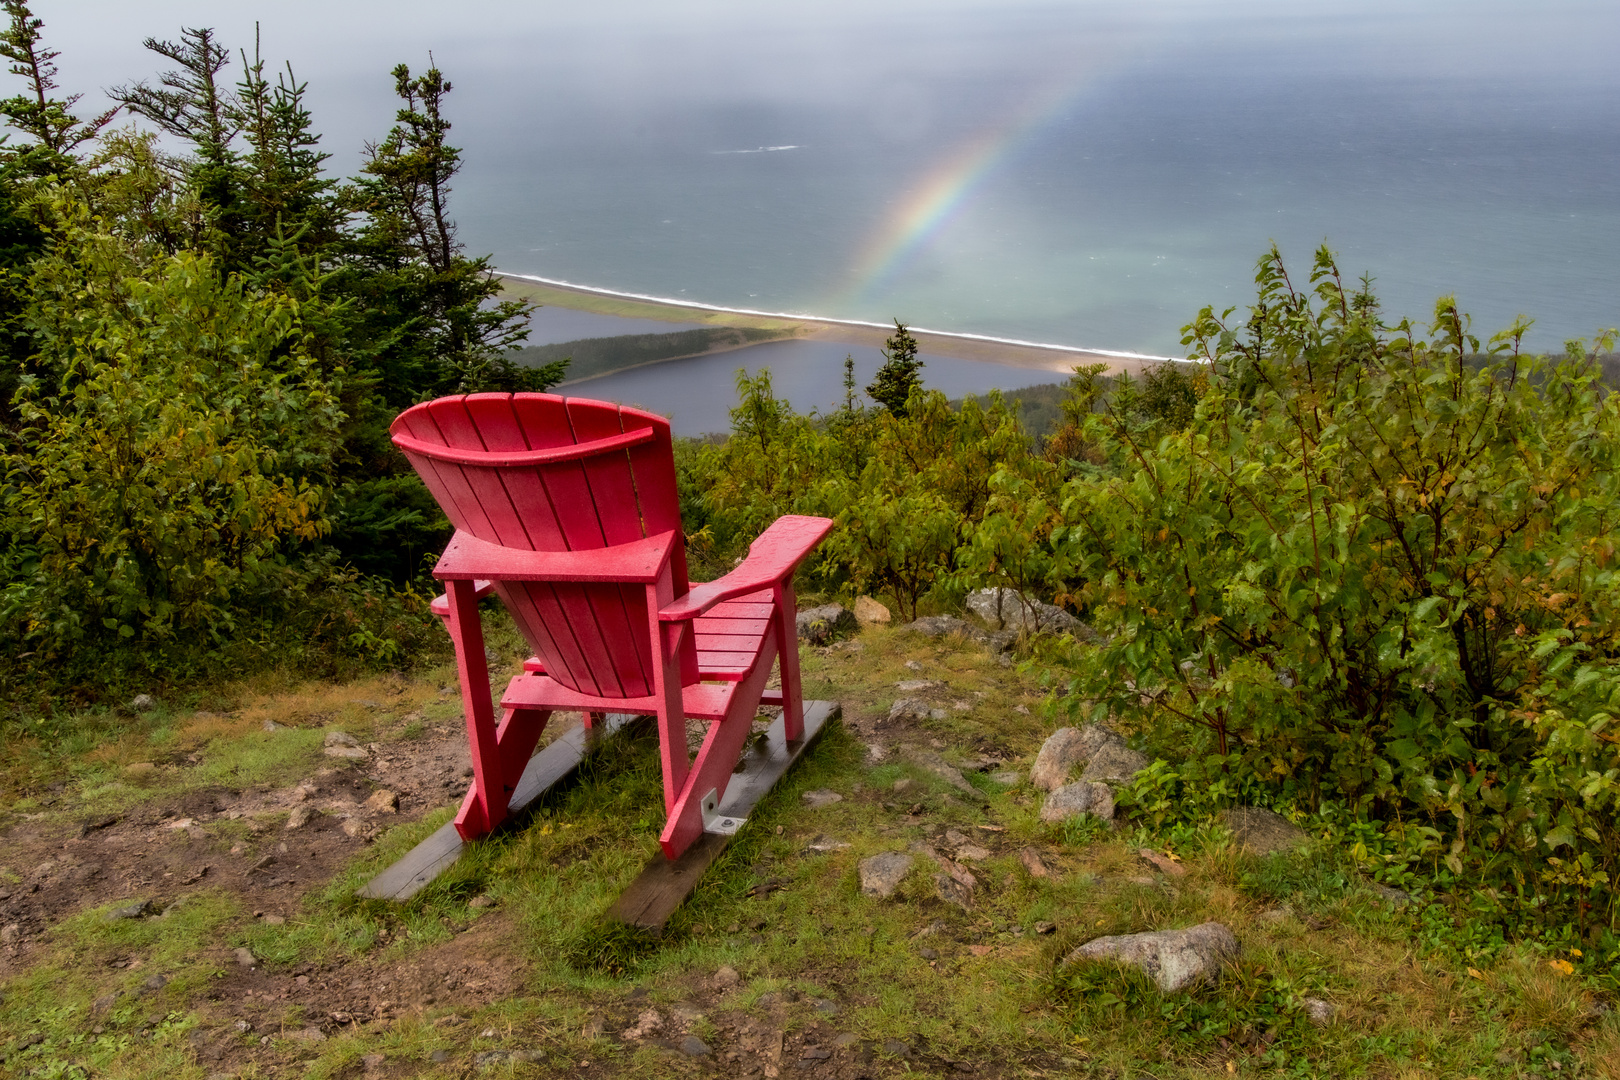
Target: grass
{"x":920,"y":984}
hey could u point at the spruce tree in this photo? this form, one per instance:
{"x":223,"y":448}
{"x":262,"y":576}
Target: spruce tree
{"x":897,"y":378}
{"x":49,"y":119}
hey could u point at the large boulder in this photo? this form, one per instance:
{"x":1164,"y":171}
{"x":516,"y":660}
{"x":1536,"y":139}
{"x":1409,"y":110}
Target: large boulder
{"x":819,"y":625}
{"x":1173,"y":959}
{"x":1081,"y":797}
{"x":1262,"y":831}
{"x":1005,"y":609}
{"x":1068,"y":748}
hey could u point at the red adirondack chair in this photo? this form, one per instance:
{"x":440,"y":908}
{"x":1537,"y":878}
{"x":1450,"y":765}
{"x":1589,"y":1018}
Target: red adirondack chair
{"x":566,"y":508}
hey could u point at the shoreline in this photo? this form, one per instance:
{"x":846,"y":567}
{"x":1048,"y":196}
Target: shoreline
{"x":1008,"y":352}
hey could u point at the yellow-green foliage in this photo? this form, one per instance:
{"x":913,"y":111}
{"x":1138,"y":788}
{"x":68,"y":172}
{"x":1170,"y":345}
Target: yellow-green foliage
{"x":174,"y":440}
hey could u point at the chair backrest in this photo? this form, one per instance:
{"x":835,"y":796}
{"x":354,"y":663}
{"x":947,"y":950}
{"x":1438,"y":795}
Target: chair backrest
{"x":540,"y":472}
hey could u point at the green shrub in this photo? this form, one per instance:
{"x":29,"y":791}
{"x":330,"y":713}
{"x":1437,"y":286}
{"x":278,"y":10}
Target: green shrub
{"x":1374,"y":574}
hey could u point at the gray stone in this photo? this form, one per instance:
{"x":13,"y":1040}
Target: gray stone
{"x":439,"y":1057}
{"x":346,"y":753}
{"x":819,"y":625}
{"x":1081,"y":797}
{"x":826,"y":1008}
{"x":937,"y":765}
{"x":940,"y":626}
{"x":143,"y":702}
{"x":868,"y":612}
{"x":340,"y":738}
{"x":1005,"y":609}
{"x":300,"y":817}
{"x":1114,"y":763}
{"x":1261,"y":831}
{"x":1068,"y":748}
{"x":137,"y":909}
{"x":896,"y":1048}
{"x":1173,"y":959}
{"x":692,"y":1046}
{"x":727,"y":978}
{"x":10,"y":934}
{"x":952,"y":891}
{"x":1319,"y":1012}
{"x":909,"y":709}
{"x":245,"y":957}
{"x":918,"y":686}
{"x":490,"y":1058}
{"x":881,"y":874}
{"x":155,"y":982}
{"x":819,"y":797}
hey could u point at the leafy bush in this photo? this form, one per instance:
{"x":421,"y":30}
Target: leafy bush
{"x":1375,"y":573}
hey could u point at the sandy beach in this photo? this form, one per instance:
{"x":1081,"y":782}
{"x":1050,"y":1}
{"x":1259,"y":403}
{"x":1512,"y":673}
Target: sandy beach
{"x":1057,"y":359}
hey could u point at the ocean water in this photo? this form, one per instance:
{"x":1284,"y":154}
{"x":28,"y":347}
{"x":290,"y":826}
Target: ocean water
{"x":1086,"y":173}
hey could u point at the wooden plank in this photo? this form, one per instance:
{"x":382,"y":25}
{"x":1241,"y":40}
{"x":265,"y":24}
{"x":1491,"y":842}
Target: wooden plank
{"x":663,"y":885}
{"x":433,"y":856}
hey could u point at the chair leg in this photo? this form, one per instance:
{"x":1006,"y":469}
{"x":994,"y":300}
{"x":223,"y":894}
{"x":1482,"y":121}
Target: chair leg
{"x":787,"y":639}
{"x":711,"y":769}
{"x":484,"y":809}
{"x":515,"y":740}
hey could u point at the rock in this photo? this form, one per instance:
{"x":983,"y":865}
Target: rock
{"x":846,"y":1040}
{"x":1067,"y":747}
{"x":1043,"y":927}
{"x":1173,"y":959}
{"x":346,"y":753}
{"x":1081,"y":797}
{"x":439,"y":1057}
{"x":727,"y":978}
{"x":1261,"y":831}
{"x":11,"y":934}
{"x":826,"y":1007}
{"x":340,"y":738}
{"x":357,"y":828}
{"x":910,"y":709}
{"x":940,"y":626}
{"x":1161,"y":862}
{"x":937,"y":765}
{"x":820,"y":797}
{"x":918,"y":686}
{"x":154,"y":982}
{"x":953,"y":891}
{"x":896,"y":1048}
{"x":300,"y":817}
{"x":1114,"y":763}
{"x":826,"y":843}
{"x":1032,"y":862}
{"x":881,"y":874}
{"x":383,"y":801}
{"x":1397,"y":898}
{"x":137,"y":909}
{"x":490,"y":1058}
{"x":271,"y":725}
{"x":692,"y":1046}
{"x":245,"y":957}
{"x":1319,"y":1012}
{"x":308,"y":1035}
{"x":647,"y":1023}
{"x":482,"y":900}
{"x":868,"y":612}
{"x":1004,"y":609}
{"x":373,"y":1061}
{"x":965,"y":848}
{"x":143,"y":702}
{"x":819,"y":625}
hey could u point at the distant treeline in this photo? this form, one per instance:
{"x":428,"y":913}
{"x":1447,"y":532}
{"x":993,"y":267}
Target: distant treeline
{"x":599,"y":356}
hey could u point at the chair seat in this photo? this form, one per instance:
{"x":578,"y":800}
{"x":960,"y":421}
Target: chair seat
{"x":728,"y":639}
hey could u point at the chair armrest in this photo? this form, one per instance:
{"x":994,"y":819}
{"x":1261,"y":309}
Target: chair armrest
{"x":469,"y":558}
{"x":771,"y":558}
{"x":441,"y":603}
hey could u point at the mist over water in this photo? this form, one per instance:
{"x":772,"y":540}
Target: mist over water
{"x":1087,"y":173}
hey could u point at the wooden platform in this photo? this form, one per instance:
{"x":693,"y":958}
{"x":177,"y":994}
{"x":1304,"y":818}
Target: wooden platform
{"x":438,"y":852}
{"x":663,"y":885}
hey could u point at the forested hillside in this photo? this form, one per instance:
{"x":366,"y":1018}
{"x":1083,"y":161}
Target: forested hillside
{"x":206,"y":335}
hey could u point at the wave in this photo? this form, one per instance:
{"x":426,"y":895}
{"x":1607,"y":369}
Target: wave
{"x":673,"y":302}
{"x":758,"y":150}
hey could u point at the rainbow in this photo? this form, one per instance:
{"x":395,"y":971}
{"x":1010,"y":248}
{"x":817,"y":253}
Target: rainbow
{"x":934,"y":201}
